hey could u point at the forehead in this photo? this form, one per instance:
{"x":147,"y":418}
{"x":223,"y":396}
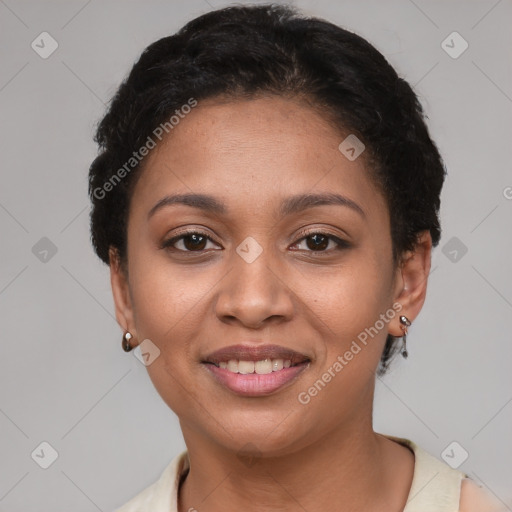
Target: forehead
{"x":253,"y":152}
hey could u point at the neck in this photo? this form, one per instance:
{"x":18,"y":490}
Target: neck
{"x":351,"y":468}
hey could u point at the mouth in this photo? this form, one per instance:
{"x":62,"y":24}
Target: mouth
{"x":256,"y":371}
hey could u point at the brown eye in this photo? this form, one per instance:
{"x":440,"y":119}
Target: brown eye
{"x":319,"y":242}
{"x":188,"y":242}
{"x":194,"y":242}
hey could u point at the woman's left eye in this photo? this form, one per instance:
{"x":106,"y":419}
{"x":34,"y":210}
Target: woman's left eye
{"x":319,"y":242}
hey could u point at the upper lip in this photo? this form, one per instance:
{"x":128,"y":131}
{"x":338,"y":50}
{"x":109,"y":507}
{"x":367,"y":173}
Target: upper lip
{"x":255,"y":353}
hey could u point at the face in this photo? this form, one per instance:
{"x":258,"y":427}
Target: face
{"x":257,"y":264}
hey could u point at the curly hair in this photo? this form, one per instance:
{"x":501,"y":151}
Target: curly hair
{"x":245,"y":51}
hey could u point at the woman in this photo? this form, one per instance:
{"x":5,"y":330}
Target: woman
{"x":267,"y":197}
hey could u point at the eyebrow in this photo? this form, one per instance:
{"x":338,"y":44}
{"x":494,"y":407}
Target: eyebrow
{"x":290,"y":205}
{"x":301,"y":202}
{"x":201,"y":201}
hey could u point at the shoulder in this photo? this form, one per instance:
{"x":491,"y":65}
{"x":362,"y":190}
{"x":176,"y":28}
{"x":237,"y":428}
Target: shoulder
{"x":438,"y":486}
{"x":474,"y":498}
{"x":162,"y":495}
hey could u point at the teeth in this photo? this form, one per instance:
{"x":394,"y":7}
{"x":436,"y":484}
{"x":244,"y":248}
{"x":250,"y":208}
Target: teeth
{"x":262,"y":367}
{"x":277,"y":364}
{"x":233,"y":366}
{"x":245,"y":367}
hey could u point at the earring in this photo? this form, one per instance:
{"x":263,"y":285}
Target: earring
{"x":405,"y":323}
{"x":126,"y":342}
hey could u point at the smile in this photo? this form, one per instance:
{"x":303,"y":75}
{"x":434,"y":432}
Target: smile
{"x":256,"y":378}
{"x":262,"y":367}
{"x":255,"y":369}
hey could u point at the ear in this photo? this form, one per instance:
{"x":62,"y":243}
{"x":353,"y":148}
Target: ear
{"x":411,"y":281}
{"x":121,"y":294}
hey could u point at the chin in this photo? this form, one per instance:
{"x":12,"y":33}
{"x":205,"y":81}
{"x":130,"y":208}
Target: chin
{"x":260,"y":438}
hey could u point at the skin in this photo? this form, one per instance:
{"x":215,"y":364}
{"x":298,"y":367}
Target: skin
{"x":477,"y":499}
{"x":252,"y":154}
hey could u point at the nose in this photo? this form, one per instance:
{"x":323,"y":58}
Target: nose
{"x":254,"y":293}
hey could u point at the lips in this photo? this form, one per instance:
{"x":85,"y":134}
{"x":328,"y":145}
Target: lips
{"x":256,"y":371}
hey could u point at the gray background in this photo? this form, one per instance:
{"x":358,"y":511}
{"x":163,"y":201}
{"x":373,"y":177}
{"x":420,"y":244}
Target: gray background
{"x":65,"y":379}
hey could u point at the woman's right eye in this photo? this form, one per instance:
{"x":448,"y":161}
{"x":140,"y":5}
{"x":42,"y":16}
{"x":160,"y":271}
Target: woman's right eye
{"x":191,"y":241}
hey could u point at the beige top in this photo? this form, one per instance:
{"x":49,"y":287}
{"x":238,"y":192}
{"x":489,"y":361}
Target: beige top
{"x":435,"y":485}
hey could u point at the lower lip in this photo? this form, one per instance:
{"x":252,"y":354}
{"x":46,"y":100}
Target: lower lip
{"x":253,"y":384}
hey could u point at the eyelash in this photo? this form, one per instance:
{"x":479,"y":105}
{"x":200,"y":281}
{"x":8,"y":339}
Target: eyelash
{"x":342,"y":244}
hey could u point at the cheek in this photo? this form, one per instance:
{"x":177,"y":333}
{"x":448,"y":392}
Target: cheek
{"x":165,"y":297}
{"x":348,"y":304}
{"x":350,"y":298}
{"x":170,"y":308}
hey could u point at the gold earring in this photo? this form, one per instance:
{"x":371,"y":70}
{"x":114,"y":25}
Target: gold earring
{"x":405,"y":323}
{"x":126,"y":342}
